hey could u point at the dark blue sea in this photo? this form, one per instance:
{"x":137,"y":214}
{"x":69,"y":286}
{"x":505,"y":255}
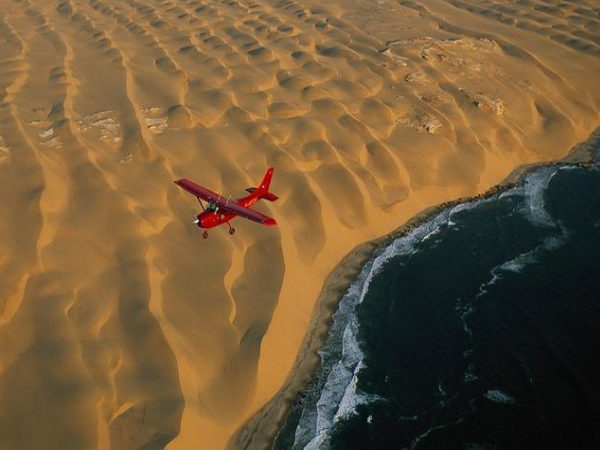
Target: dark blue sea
{"x":480,"y":329}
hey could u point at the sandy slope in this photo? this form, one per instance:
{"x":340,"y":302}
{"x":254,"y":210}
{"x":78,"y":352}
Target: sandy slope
{"x":119,"y":326}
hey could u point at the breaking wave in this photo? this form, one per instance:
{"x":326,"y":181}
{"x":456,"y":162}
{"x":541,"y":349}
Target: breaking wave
{"x":335,"y":395}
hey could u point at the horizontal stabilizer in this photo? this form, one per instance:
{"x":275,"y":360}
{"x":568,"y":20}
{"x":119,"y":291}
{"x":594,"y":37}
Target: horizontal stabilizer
{"x":270,"y":197}
{"x":266,"y":196}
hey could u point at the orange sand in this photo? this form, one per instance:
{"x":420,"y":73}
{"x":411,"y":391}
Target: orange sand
{"x":120,"y":327}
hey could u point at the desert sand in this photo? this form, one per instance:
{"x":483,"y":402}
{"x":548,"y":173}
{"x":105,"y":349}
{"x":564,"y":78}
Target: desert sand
{"x":120,"y":327}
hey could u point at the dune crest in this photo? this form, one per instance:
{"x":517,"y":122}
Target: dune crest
{"x":120,"y":327}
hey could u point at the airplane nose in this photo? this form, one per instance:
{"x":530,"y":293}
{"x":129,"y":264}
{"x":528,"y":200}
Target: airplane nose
{"x":196,"y":221}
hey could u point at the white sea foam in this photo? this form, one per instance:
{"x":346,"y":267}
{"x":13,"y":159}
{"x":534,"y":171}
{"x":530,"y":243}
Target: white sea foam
{"x":422,"y":436}
{"x":568,"y":168}
{"x":534,"y":209}
{"x":340,"y":396}
{"x":316,"y":421}
{"x":463,"y":207}
{"x":498,"y":396}
{"x":534,"y":188}
{"x":483,"y":288}
{"x":468,"y":377}
{"x":479,"y":446}
{"x":521,"y":261}
{"x":432,"y":233}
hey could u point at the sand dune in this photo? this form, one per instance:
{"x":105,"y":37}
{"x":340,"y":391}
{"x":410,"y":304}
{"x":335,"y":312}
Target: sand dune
{"x":120,"y":327}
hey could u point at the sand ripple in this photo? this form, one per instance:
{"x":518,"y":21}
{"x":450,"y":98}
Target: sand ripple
{"x":119,"y":326}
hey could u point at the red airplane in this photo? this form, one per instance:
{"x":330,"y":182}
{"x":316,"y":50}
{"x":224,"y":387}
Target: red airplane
{"x":221,"y":210}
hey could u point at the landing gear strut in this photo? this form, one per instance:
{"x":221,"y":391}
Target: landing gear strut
{"x":205,"y":234}
{"x":231,"y":229}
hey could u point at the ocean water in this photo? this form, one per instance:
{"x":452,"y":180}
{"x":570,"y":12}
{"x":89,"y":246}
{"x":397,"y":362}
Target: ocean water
{"x":480,"y":329}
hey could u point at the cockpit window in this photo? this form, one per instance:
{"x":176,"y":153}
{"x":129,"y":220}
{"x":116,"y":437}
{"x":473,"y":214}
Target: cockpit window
{"x":212,"y":207}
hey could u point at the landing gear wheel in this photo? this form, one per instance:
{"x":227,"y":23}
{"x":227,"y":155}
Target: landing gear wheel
{"x":232,"y":231}
{"x":205,"y":234}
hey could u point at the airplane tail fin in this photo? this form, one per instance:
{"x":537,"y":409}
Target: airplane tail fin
{"x":263,"y":189}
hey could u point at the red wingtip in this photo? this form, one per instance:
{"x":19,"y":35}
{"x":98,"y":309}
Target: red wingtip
{"x":270,"y":222}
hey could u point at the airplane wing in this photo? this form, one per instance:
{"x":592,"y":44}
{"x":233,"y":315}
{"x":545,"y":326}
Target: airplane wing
{"x":246,"y":213}
{"x":200,"y":191}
